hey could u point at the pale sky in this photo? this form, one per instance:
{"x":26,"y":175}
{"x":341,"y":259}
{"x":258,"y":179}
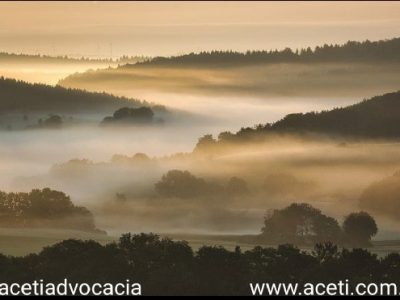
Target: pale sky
{"x":103,"y":29}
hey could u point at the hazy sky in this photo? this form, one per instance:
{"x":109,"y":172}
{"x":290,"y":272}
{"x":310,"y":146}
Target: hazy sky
{"x":165,"y":28}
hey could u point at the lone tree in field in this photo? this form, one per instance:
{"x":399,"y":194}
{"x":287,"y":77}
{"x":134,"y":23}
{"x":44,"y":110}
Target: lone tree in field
{"x":300,"y":224}
{"x":359,"y":228}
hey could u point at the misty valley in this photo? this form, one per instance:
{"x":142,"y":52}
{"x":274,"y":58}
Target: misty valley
{"x":236,"y":153}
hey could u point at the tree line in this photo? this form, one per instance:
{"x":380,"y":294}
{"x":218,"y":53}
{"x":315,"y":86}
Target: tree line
{"x":44,"y":208}
{"x":302,"y":224}
{"x":166,"y":267}
{"x":26,"y":58}
{"x":352,"y":51}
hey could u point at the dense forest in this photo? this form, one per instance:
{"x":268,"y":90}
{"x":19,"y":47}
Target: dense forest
{"x":374,"y":118}
{"x":377,"y":117}
{"x":352,"y":51}
{"x":43,"y":208}
{"x":166,"y":267}
{"x":21,"y":97}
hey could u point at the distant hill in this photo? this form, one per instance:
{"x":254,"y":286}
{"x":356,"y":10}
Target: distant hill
{"x":352,"y":51}
{"x":378,"y":117}
{"x":6,"y":57}
{"x":330,"y":71}
{"x":21,"y":97}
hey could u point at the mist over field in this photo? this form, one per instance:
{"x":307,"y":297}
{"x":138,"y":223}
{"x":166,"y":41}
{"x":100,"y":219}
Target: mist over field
{"x":120,"y":189}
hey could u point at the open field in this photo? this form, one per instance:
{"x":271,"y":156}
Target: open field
{"x":20,"y":242}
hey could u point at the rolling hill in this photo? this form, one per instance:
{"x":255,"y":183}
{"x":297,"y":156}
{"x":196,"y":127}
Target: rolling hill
{"x":21,"y":97}
{"x":352,"y":51}
{"x":329,"y":71}
{"x":375,"y":118}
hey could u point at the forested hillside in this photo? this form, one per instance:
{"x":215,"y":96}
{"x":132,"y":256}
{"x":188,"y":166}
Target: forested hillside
{"x":19,"y":96}
{"x":367,"y":51}
{"x":377,"y":117}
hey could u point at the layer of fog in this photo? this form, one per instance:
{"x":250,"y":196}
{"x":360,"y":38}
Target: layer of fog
{"x":240,"y":96}
{"x":234,"y":112}
{"x":338,"y":175}
{"x":122,"y":195}
{"x":270,"y":81}
{"x":32,"y":152}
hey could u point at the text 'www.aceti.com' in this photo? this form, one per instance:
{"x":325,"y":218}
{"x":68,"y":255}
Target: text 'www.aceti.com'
{"x":341,"y":288}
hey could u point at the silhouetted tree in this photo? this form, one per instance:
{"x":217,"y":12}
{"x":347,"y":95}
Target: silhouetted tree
{"x":221,"y":272}
{"x":126,"y":115}
{"x":300,"y":224}
{"x":206,"y":144}
{"x":325,"y":252}
{"x":153,"y":260}
{"x":359,"y":228}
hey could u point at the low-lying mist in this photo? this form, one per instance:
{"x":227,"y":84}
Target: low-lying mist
{"x":238,"y":96}
{"x":98,"y":167}
{"x":121,"y":189}
{"x":266,"y":81}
